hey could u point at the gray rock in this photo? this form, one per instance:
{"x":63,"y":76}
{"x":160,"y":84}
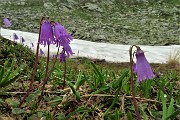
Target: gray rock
{"x":92,"y":7}
{"x":48,"y":5}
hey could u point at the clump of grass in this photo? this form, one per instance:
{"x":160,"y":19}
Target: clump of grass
{"x":174,"y":58}
{"x":13,"y":51}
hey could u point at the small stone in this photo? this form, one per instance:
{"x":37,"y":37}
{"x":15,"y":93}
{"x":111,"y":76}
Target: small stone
{"x":48,"y":5}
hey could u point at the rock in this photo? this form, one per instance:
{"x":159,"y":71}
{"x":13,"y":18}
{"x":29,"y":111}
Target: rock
{"x":48,"y":5}
{"x":92,"y":7}
{"x":71,"y":1}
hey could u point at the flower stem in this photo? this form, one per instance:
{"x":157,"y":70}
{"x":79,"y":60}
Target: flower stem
{"x":64,"y":60}
{"x":46,"y":74}
{"x":35,"y":68}
{"x":64,"y":83}
{"x":132,"y":82}
{"x":49,"y":73}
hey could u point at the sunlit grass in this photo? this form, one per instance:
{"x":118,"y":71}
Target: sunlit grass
{"x":174,"y":58}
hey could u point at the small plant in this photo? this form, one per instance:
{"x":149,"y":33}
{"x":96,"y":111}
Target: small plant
{"x":142,"y":69}
{"x":50,"y":33}
{"x":10,"y":74}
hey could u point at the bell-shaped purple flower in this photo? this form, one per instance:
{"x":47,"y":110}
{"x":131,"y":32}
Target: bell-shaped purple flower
{"x":62,"y":57}
{"x":32,"y":44}
{"x":61,"y":35}
{"x":41,"y":52}
{"x":63,"y":38}
{"x":68,"y":50}
{"x":134,"y":68}
{"x":15,"y":37}
{"x":6,"y":22}
{"x":46,"y":36}
{"x":143,"y":68}
{"x":22,"y":40}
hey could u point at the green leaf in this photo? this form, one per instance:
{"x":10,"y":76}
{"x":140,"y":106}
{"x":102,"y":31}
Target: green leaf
{"x":79,"y":81}
{"x":115,"y":83}
{"x":60,"y":116}
{"x":10,"y":80}
{"x":171,"y":90}
{"x":33,"y":96}
{"x":163,"y":99}
{"x":101,"y":78}
{"x":145,"y":117}
{"x":117,"y":115}
{"x":173,"y":115}
{"x":170,"y":108}
{"x":1,"y":101}
{"x":129,"y":115}
{"x":9,"y":71}
{"x":1,"y":75}
{"x":55,"y":101}
{"x":40,"y":114}
{"x":81,"y":109}
{"x":9,"y":75}
{"x":17,"y":111}
{"x":115,"y":99}
{"x":74,"y":90}
{"x":103,"y":88}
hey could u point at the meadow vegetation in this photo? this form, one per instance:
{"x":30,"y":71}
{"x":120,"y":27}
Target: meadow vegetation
{"x":94,"y":89}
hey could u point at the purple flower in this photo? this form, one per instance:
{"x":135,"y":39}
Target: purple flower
{"x":61,"y":35}
{"x":41,"y":52}
{"x":63,"y":38}
{"x":68,"y":50}
{"x":46,"y":36}
{"x":6,"y":22}
{"x":32,"y":44}
{"x":62,"y":57}
{"x":23,"y":40}
{"x":15,"y":37}
{"x":143,"y":68}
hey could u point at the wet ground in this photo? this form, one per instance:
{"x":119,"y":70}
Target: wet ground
{"x":116,"y":21}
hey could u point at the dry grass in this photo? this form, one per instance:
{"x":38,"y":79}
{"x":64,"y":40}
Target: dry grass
{"x":174,"y":58}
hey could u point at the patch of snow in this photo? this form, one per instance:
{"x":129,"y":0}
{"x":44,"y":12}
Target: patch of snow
{"x":93,"y":50}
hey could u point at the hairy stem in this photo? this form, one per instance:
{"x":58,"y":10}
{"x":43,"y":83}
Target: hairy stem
{"x":35,"y":68}
{"x":132,"y":82}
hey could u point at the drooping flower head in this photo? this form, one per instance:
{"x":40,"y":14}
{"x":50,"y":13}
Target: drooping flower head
{"x":61,"y":35}
{"x":68,"y":50}
{"x":46,"y":35}
{"x":62,"y":38}
{"x":62,"y":57}
{"x":15,"y":37}
{"x":41,"y":52}
{"x":32,"y":44}
{"x":22,"y":40}
{"x":6,"y":22}
{"x":134,"y":68}
{"x":143,"y":68}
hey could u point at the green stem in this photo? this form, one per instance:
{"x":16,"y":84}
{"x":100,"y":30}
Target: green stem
{"x":132,"y":82}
